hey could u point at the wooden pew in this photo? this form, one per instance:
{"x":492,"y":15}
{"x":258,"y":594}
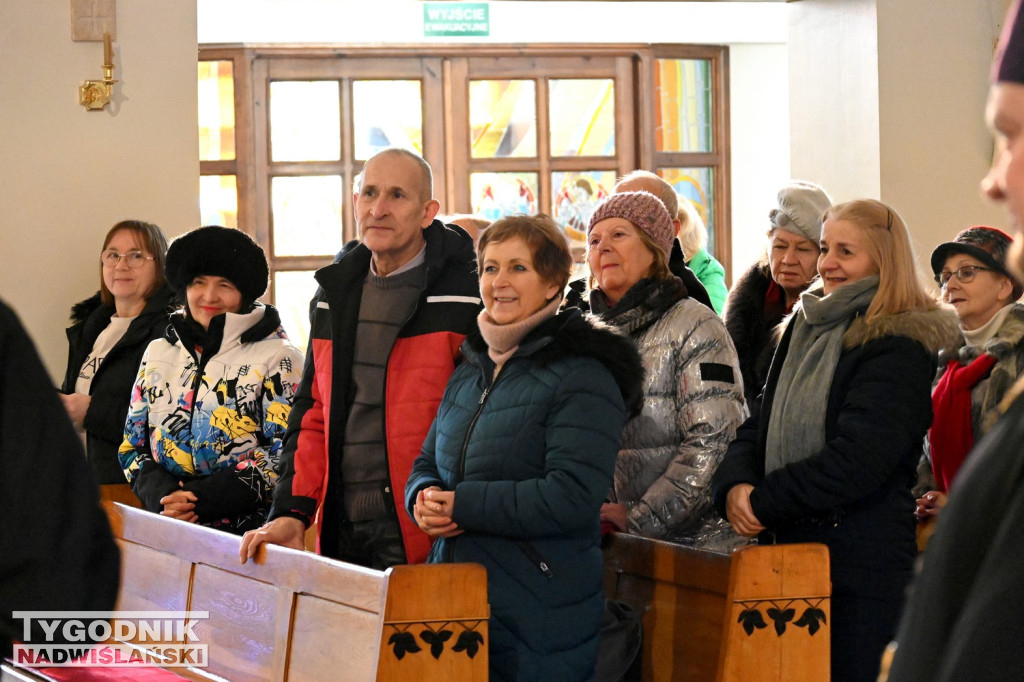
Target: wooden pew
{"x":292,"y":615}
{"x":761,"y":613}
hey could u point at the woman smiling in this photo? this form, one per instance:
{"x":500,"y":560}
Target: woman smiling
{"x":515,"y":467}
{"x":829,"y":452}
{"x":211,"y":401}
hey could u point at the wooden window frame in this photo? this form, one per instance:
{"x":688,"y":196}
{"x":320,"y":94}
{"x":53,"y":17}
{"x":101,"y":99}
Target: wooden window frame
{"x":448,"y":69}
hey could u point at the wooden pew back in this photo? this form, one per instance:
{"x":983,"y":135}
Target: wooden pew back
{"x":761,"y":613}
{"x":291,"y":615}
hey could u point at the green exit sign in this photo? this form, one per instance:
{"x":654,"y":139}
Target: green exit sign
{"x":456,"y":19}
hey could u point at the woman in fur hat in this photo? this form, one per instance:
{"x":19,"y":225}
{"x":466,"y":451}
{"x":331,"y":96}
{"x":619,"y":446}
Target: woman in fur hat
{"x":767,"y":291}
{"x":975,"y":378}
{"x":211,"y":400}
{"x":520,"y":456}
{"x":693,"y":395}
{"x":109,"y":333}
{"x":829,"y":455}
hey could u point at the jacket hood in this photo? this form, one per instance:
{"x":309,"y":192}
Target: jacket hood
{"x":934,"y":329}
{"x":572,"y":334}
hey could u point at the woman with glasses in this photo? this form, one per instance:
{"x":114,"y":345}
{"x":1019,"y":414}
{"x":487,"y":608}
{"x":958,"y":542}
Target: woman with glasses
{"x":975,"y":378}
{"x":829,"y":453}
{"x":108,"y":335}
{"x":210,"y":404}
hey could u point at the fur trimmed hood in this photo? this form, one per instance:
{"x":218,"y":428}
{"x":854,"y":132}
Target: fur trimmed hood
{"x":936,"y":330}
{"x":571,"y":333}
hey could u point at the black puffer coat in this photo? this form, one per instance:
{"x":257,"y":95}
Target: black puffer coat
{"x":855,"y":494}
{"x":112,"y":385}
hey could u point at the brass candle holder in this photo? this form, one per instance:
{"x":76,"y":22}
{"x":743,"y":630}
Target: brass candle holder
{"x":94,"y":95}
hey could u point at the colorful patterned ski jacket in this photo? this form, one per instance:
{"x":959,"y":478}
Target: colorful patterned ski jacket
{"x":213,"y":420}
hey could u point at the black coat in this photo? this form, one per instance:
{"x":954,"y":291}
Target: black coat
{"x":112,"y":384}
{"x":752,"y":327}
{"x":963,"y":620}
{"x":58,"y":553}
{"x":855,"y":494}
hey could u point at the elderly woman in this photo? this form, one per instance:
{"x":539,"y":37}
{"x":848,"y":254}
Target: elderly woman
{"x":109,"y":334}
{"x":693,"y":394}
{"x":211,"y":401}
{"x":972,"y":272}
{"x":521,"y":454}
{"x":693,"y":239}
{"x":766,"y":292}
{"x":829,"y":453}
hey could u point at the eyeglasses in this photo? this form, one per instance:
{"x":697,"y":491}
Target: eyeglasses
{"x":134,"y":259}
{"x":964,"y":274}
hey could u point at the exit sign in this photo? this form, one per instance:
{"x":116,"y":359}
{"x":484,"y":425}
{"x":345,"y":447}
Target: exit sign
{"x":456,"y":19}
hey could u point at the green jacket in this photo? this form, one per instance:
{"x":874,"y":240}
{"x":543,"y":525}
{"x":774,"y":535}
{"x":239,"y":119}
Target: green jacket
{"x":712,"y":275}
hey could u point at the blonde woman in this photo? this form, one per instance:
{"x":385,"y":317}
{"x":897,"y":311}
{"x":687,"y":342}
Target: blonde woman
{"x":829,"y":454}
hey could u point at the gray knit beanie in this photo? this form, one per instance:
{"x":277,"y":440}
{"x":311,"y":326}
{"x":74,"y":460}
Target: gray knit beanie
{"x":643,"y":210}
{"x":801,"y":207}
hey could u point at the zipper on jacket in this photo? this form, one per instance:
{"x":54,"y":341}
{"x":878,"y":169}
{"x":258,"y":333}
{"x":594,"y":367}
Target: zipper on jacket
{"x":469,"y":431}
{"x":536,"y":557}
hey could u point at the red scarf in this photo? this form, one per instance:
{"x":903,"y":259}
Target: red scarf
{"x":952,"y":436}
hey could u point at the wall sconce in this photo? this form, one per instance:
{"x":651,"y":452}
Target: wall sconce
{"x":95,"y":95}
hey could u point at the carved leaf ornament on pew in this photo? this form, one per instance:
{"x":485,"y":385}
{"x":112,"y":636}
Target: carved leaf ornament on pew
{"x":403,"y":641}
{"x":752,"y":619}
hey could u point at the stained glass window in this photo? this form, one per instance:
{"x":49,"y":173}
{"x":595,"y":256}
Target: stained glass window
{"x":682,"y":97}
{"x":306,"y":211}
{"x":387,"y":114}
{"x":496,"y":195}
{"x":503,"y":118}
{"x":216,"y":111}
{"x":582,"y":117}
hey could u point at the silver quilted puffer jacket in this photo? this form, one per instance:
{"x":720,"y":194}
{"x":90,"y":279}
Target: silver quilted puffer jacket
{"x":693,"y":403}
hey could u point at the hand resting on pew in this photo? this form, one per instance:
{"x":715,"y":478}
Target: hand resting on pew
{"x":739,"y":511}
{"x":284,"y":530}
{"x":433,"y":512}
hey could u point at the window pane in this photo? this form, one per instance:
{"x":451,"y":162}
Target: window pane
{"x":306,"y":214}
{"x":216,"y":111}
{"x":496,"y":195}
{"x":304,"y":121}
{"x":582,"y":117}
{"x":503,"y":119}
{"x":576,"y":195}
{"x":397,"y":124}
{"x":218,"y":200}
{"x":682,"y":93}
{"x":697,"y":185}
{"x":293,"y":290}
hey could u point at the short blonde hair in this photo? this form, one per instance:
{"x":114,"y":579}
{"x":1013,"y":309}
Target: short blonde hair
{"x":900,"y":287}
{"x":693,"y":234}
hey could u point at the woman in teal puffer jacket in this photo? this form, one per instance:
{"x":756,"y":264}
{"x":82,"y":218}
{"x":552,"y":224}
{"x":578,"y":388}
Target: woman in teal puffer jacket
{"x":515,"y":467}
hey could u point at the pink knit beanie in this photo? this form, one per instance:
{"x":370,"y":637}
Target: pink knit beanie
{"x":644,"y":210}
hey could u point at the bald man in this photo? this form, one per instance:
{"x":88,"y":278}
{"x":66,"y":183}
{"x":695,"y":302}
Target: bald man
{"x":387,"y":323}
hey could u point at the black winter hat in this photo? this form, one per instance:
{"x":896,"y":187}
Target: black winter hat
{"x":219,"y":252}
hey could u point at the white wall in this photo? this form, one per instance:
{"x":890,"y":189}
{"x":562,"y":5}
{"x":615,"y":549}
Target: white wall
{"x":759,"y":126}
{"x":887,"y":100}
{"x":401,"y":21}
{"x":934,"y":61}
{"x":69,"y":174}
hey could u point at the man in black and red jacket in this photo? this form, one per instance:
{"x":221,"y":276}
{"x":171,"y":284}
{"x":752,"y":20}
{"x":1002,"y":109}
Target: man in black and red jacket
{"x":387,"y":323}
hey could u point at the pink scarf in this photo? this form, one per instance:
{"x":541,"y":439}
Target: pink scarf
{"x":503,"y":339}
